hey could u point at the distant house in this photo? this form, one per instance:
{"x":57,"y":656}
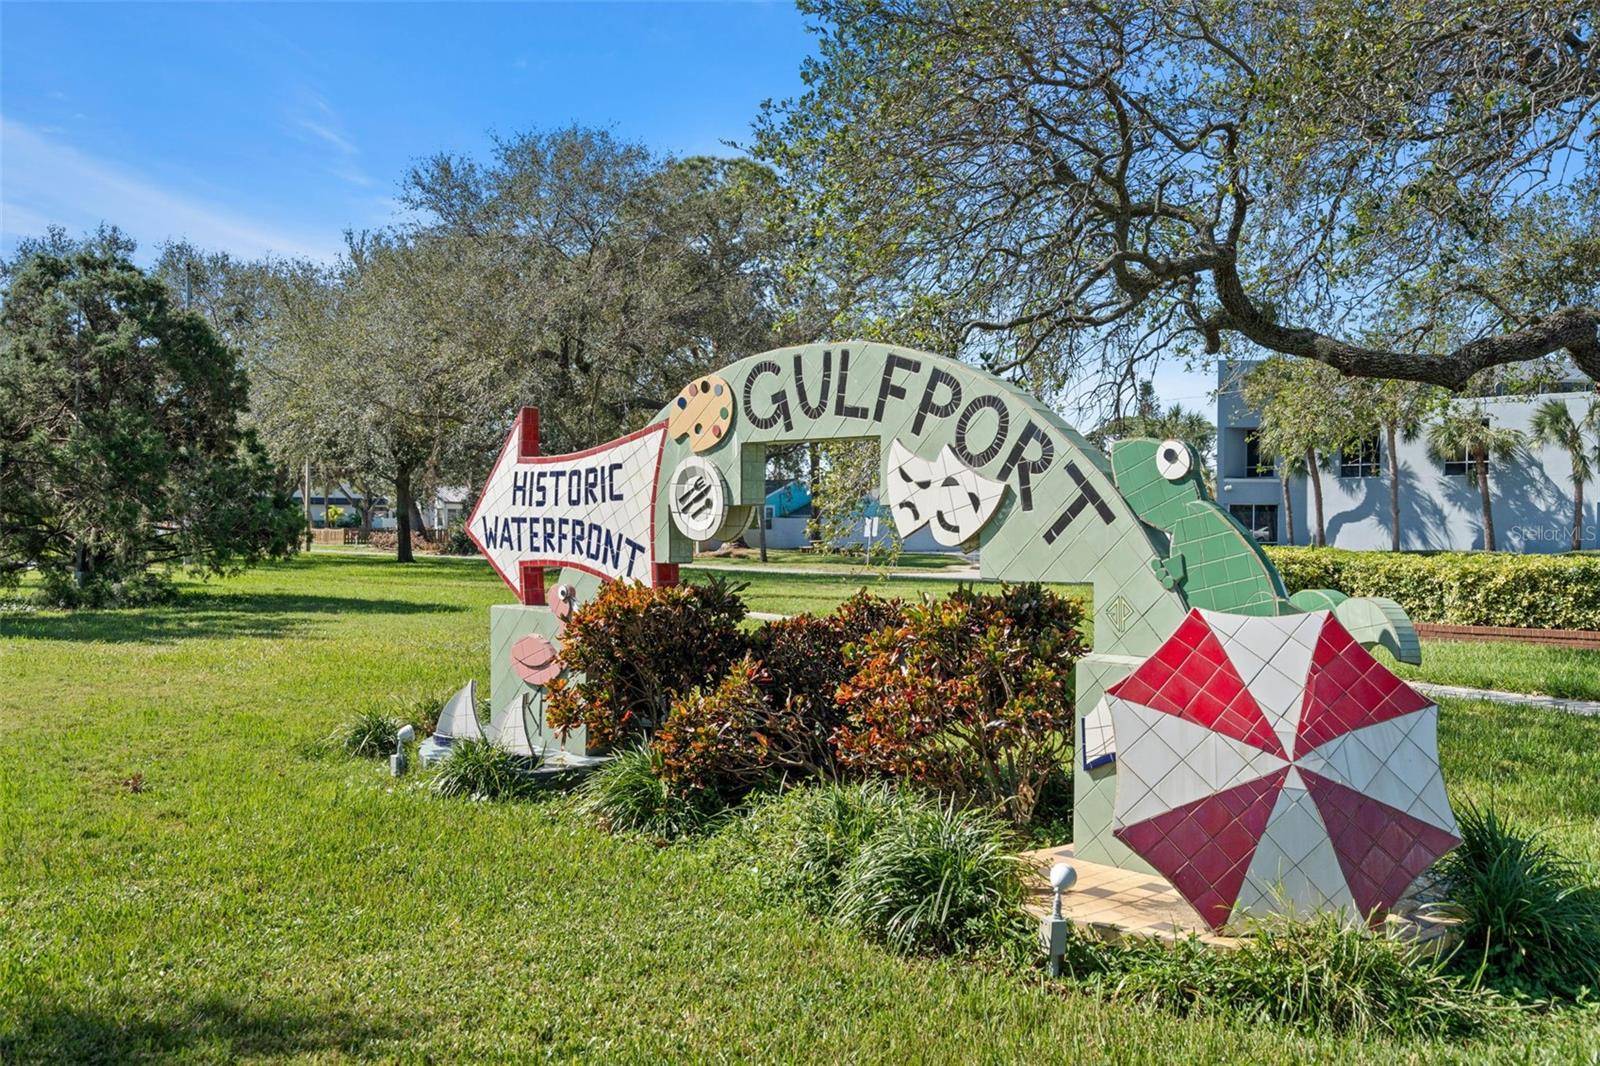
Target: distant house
{"x":1439,"y":505}
{"x":788,"y":516}
{"x":341,"y":496}
{"x":447,"y":505}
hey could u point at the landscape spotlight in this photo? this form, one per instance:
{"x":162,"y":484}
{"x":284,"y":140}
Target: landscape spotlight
{"x":1062,"y":877}
{"x":397,"y":761}
{"x":1053,"y":930}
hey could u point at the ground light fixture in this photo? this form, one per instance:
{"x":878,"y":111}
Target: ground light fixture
{"x":397,"y":761}
{"x":1053,"y":930}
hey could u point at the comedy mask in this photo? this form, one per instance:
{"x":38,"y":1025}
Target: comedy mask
{"x":952,"y":499}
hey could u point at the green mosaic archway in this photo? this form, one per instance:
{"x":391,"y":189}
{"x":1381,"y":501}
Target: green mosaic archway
{"x":1138,"y":526}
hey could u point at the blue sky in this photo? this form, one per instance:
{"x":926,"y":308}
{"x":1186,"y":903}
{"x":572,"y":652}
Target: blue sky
{"x":272,"y":128}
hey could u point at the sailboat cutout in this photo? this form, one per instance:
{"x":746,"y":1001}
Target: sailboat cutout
{"x":457,"y":721}
{"x":509,"y":727}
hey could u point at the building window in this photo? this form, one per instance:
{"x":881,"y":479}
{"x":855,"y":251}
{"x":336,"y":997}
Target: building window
{"x":1261,"y":519}
{"x":1254,"y":464}
{"x":1361,"y":460}
{"x":1463,"y":466}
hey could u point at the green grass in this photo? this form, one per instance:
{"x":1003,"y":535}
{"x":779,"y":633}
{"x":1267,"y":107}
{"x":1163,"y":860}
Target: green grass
{"x":1509,"y":667}
{"x":820,"y":593}
{"x":1573,"y":673}
{"x":779,"y":558}
{"x":253,"y":901}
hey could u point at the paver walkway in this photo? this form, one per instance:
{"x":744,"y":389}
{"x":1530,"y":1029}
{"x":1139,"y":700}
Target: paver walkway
{"x":1554,"y":703}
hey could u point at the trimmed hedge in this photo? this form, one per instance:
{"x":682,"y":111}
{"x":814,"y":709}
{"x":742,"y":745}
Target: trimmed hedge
{"x":1457,"y":588}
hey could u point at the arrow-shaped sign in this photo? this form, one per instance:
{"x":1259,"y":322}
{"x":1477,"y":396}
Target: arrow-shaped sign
{"x":593,"y":510}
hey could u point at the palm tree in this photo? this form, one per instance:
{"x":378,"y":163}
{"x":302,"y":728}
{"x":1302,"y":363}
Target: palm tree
{"x":1554,"y":425}
{"x":1289,"y":467}
{"x":1467,"y":432}
{"x":1400,"y":409}
{"x":1312,"y":463}
{"x":1305,"y":412}
{"x":1149,"y":420}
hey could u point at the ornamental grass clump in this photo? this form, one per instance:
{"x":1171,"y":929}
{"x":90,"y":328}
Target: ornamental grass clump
{"x":1318,"y":975}
{"x":372,"y":733}
{"x":806,"y":837}
{"x":932,"y":879}
{"x":628,"y":794}
{"x":1530,"y":917}
{"x":480,"y":769}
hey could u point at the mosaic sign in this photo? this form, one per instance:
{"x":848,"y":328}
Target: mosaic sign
{"x":1262,"y":758}
{"x":1274,"y":771}
{"x":592,"y":510}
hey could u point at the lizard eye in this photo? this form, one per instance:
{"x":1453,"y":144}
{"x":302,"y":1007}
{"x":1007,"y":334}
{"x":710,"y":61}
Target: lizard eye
{"x":1172,"y":460}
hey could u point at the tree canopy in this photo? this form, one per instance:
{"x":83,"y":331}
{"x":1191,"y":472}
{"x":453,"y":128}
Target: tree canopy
{"x":614,"y":275}
{"x":571,"y":271}
{"x":120,"y":437}
{"x":1405,"y":189}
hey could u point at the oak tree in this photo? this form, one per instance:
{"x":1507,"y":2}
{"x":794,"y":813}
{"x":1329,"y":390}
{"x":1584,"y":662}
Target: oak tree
{"x":1081,"y":185}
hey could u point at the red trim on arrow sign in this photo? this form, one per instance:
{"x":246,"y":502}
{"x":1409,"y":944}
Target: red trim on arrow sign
{"x":528,"y":423}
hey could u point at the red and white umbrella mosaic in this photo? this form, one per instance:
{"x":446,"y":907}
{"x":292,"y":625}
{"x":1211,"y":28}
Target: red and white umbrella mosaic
{"x":1271,"y":764}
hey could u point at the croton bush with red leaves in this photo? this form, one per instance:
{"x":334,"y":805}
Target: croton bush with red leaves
{"x":639,"y":648}
{"x":805,"y":663}
{"x":972,"y":696}
{"x":718,"y":739}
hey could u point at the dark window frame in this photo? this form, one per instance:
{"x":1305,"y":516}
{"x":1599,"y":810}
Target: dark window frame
{"x":1462,"y":467}
{"x":1254,"y":465}
{"x":1266,"y":512}
{"x":1366,"y":460}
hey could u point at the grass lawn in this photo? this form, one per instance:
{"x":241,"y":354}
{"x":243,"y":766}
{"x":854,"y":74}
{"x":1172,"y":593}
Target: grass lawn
{"x":1573,"y":673}
{"x":254,"y":900}
{"x":780,"y":593}
{"x":779,"y":558}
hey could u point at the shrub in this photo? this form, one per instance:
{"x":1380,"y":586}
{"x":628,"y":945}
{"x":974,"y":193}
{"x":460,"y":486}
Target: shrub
{"x":1530,"y":918}
{"x":932,"y":879}
{"x":638,"y":648}
{"x":142,"y":588}
{"x":628,"y":794}
{"x":774,"y":717}
{"x":481,"y":769}
{"x":1458,"y":588}
{"x":388,"y":540}
{"x":456,"y":541}
{"x":972,"y":695}
{"x":806,"y":837}
{"x":805,"y":663}
{"x":373,"y":733}
{"x":1308,"y":975}
{"x":718,"y":740}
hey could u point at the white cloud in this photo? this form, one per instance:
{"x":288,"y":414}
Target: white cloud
{"x":326,"y":128}
{"x":43,"y":181}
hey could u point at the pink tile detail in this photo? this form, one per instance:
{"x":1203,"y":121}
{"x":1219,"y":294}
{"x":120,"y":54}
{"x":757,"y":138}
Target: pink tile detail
{"x":1191,"y":678}
{"x":1347,"y":689}
{"x":534,"y":659}
{"x":1208,"y":868}
{"x":1380,"y":849}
